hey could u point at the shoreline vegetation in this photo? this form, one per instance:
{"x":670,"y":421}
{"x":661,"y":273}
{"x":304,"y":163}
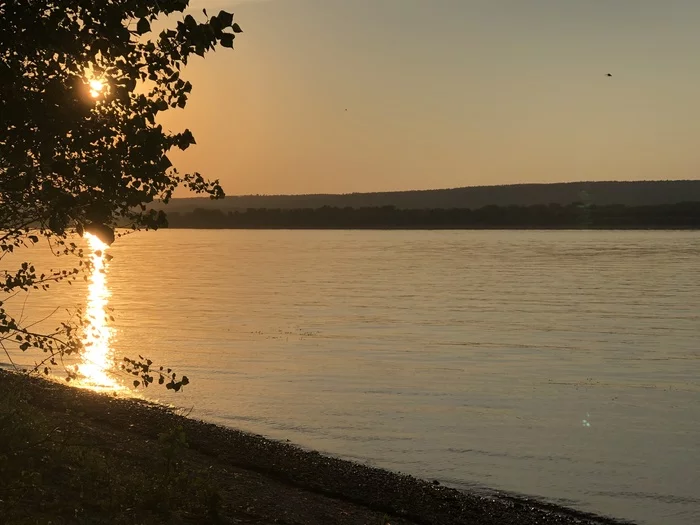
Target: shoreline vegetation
{"x":577,"y":215}
{"x":75,"y":456}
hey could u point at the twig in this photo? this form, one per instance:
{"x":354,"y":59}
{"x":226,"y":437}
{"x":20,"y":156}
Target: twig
{"x":37,"y":443}
{"x":7,"y":353}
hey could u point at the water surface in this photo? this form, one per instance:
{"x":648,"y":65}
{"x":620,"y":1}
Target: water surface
{"x":563,"y":365}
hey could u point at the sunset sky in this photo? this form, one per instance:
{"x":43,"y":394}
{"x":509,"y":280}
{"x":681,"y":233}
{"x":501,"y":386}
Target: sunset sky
{"x":445,"y":93}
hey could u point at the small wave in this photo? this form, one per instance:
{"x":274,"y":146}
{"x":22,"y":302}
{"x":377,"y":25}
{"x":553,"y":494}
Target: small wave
{"x":523,"y":457}
{"x":664,"y":498}
{"x":252,"y":419}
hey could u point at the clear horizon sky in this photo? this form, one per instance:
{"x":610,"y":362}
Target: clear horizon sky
{"x":445,"y":93}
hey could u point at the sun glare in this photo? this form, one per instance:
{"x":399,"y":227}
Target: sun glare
{"x":96,"y":360}
{"x":96,"y":87}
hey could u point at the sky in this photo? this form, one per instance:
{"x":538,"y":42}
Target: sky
{"x":339,"y":96}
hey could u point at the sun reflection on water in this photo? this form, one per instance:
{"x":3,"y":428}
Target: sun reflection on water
{"x":96,"y":362}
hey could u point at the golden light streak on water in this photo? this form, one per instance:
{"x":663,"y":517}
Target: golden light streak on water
{"x":96,"y":361}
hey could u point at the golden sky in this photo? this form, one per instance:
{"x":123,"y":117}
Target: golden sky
{"x":445,"y":93}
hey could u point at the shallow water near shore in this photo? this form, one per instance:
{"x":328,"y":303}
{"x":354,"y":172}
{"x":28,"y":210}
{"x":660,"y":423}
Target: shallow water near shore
{"x":563,"y":365}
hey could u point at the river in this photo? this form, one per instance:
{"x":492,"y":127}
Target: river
{"x":559,"y":364}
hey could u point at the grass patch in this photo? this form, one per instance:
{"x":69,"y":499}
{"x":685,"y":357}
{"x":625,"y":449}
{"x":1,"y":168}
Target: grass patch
{"x":55,"y":469}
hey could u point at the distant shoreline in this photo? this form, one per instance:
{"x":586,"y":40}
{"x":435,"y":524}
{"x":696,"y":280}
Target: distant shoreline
{"x":574,"y":216}
{"x":599,"y":193}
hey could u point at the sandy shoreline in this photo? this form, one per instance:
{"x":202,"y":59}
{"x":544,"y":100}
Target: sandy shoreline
{"x":266,"y":481}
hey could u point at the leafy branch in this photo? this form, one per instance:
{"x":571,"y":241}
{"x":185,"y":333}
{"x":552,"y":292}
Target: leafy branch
{"x":75,"y":159}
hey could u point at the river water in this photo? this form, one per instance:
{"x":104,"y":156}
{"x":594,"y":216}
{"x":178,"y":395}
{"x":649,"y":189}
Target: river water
{"x":563,"y":365}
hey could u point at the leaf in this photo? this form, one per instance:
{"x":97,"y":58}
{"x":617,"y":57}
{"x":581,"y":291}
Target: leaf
{"x":143,"y":26}
{"x":34,"y":239}
{"x":227,"y":39}
{"x":186,"y":139}
{"x":101,"y":231}
{"x":136,"y":383}
{"x":24,"y":346}
{"x":141,"y":11}
{"x":225,"y":18}
{"x":236,"y":28}
{"x":100,"y":45}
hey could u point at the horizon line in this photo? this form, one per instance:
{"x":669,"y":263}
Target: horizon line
{"x":517,"y":184}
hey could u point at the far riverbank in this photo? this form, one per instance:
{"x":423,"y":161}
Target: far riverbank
{"x":577,"y":215}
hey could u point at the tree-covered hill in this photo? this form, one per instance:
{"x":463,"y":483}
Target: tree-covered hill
{"x":637,"y":193}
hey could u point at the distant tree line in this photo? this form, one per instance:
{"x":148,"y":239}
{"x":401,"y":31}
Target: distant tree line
{"x":684,"y":215}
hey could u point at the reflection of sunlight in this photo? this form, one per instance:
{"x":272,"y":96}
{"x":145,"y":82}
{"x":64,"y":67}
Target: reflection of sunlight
{"x":96,"y":360}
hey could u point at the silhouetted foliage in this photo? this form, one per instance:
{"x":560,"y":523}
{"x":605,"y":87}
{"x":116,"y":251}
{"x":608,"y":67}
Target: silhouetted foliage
{"x":81,"y":87}
{"x":552,"y":216}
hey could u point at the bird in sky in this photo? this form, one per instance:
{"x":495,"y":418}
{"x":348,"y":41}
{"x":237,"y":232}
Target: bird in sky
{"x":609,"y":74}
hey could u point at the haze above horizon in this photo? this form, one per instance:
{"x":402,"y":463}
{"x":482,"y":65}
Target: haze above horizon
{"x":341,"y":96}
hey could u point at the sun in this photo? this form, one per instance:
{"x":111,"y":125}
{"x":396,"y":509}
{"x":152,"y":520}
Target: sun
{"x":96,"y":87}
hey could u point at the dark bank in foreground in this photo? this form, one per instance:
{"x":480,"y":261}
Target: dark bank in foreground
{"x":74,"y":456}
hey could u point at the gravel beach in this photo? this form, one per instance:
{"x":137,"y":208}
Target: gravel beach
{"x":266,"y":481}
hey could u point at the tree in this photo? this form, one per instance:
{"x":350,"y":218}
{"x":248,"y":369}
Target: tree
{"x":82,"y":83}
